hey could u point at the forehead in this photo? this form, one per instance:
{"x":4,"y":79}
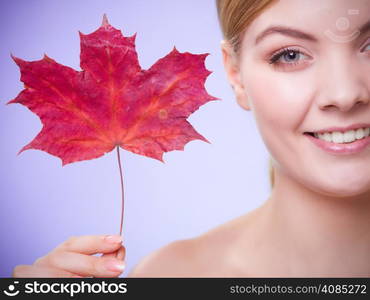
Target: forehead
{"x":314,"y":16}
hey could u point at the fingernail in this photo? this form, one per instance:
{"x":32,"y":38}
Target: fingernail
{"x":114,"y":265}
{"x":114,"y":239}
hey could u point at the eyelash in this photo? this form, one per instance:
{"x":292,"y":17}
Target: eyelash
{"x":277,"y":55}
{"x":273,"y":60}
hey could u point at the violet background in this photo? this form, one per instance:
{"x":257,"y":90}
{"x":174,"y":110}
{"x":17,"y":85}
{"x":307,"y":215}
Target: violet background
{"x":43,"y":203}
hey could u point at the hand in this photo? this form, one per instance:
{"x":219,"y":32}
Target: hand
{"x":73,"y":258}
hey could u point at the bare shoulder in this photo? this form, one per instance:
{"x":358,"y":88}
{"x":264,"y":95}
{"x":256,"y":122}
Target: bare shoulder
{"x":176,"y":259}
{"x":210,"y":254}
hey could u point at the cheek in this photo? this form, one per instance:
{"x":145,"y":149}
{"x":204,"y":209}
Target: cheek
{"x":279,"y":101}
{"x":280,"y":104}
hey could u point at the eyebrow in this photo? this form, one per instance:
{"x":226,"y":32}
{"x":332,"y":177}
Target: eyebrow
{"x":364,"y":28}
{"x":295,"y":33}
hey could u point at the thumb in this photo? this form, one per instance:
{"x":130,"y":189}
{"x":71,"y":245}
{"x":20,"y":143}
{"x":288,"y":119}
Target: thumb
{"x":119,"y":254}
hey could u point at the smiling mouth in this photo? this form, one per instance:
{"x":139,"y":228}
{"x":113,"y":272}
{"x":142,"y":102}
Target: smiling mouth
{"x":342,"y":137}
{"x":337,"y":143}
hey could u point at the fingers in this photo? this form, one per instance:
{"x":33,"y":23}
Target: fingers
{"x":73,"y":257}
{"x":84,"y":265}
{"x":92,"y":244}
{"x":30,"y":271}
{"x":119,"y":254}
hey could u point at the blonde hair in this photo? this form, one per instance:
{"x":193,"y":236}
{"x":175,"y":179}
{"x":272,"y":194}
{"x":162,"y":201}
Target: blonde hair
{"x":234,"y":17}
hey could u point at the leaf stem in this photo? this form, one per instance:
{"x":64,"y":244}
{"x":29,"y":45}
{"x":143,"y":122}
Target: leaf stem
{"x":122,"y":191}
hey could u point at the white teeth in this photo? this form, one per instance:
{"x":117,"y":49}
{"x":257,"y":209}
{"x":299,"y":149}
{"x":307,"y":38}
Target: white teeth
{"x":337,"y":137}
{"x":349,"y":136}
{"x":359,"y":133}
{"x":367,"y":131}
{"x":346,"y":137}
{"x":328,"y":137}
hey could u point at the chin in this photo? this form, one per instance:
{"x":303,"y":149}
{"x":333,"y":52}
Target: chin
{"x":346,"y":179}
{"x":343,"y":188}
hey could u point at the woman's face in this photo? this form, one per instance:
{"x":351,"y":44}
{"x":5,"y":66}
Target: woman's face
{"x":322,"y":82}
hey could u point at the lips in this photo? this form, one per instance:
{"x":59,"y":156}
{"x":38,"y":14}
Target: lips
{"x":341,"y":129}
{"x":337,"y":148}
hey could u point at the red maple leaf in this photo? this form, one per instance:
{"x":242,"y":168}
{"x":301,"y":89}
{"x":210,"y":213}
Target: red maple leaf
{"x":112,"y":102}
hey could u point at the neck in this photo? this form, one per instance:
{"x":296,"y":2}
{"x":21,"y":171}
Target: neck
{"x":327,"y":235}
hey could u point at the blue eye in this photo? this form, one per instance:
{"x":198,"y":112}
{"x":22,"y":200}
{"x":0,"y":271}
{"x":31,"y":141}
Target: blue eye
{"x":289,"y":56}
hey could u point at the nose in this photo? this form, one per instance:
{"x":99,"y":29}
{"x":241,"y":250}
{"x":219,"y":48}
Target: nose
{"x":344,"y":85}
